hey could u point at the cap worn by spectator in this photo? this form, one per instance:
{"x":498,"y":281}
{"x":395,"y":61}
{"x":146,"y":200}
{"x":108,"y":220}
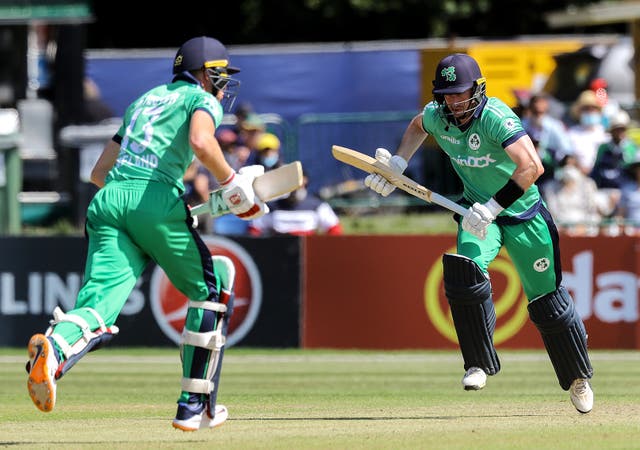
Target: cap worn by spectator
{"x":599,"y":87}
{"x":243,"y":110}
{"x":620,"y":120}
{"x":268,"y":141}
{"x":268,"y":147}
{"x":253,"y":122}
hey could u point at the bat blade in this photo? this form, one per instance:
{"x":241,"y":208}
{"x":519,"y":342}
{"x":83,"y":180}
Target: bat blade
{"x":273,"y":184}
{"x":371,"y":165}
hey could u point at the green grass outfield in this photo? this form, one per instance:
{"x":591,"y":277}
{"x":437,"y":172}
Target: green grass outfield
{"x":302,"y":399}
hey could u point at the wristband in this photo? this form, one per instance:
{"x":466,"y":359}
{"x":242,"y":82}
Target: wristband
{"x":228,"y":179}
{"x":508,"y":194}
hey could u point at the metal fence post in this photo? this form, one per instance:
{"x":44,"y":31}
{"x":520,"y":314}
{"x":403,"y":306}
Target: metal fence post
{"x":10,"y":172}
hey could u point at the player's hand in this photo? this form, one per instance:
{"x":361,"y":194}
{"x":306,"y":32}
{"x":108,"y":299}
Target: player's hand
{"x":479,"y":217}
{"x":377,"y":182}
{"x":239,"y":195}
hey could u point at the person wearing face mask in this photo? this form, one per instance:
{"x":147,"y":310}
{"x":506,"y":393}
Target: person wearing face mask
{"x":268,"y":151}
{"x":589,"y":132}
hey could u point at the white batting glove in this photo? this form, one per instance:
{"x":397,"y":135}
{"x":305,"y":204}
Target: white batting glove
{"x":480,"y":216}
{"x":239,"y":196}
{"x":377,"y":182}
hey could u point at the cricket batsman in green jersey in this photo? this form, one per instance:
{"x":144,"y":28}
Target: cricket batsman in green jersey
{"x":139,"y":216}
{"x":498,"y":166}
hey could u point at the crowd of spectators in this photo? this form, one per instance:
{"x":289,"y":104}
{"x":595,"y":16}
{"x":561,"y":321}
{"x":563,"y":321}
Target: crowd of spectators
{"x":591,"y":181}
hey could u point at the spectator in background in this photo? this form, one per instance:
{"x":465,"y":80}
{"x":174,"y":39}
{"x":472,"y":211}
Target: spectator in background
{"x":629,"y":206}
{"x":615,"y":154}
{"x":237,"y":152}
{"x":572,"y":200}
{"x":234,"y":150}
{"x":249,"y":132}
{"x":588,"y":133}
{"x":548,"y":134}
{"x":610,"y":107}
{"x":242,"y":112}
{"x":301,"y":213}
{"x":199,"y":182}
{"x":266,"y":152}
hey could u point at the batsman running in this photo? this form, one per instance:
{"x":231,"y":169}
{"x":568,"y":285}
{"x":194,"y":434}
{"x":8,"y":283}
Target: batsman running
{"x":139,"y":216}
{"x":498,"y":166}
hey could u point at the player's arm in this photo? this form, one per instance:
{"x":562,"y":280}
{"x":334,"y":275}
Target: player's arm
{"x":105,"y":163}
{"x":528,"y":170}
{"x":206,"y":147}
{"x":528,"y":164}
{"x":412,"y":138}
{"x":238,"y":191}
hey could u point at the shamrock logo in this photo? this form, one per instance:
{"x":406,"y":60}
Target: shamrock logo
{"x":449,"y":73}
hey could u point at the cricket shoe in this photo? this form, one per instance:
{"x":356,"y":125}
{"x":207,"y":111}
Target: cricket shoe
{"x":581,"y":395}
{"x":474,"y":379}
{"x":194,"y":416}
{"x":42,"y":370}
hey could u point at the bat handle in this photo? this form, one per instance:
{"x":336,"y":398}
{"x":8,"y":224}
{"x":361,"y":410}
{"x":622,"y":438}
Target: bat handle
{"x":199,"y":209}
{"x":446,"y":203}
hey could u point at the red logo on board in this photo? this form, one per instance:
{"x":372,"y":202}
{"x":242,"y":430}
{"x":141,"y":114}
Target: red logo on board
{"x":169,"y":305}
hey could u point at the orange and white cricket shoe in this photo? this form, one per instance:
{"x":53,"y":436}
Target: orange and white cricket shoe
{"x":42,"y":369}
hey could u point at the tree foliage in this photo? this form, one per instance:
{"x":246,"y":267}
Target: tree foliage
{"x":286,"y":21}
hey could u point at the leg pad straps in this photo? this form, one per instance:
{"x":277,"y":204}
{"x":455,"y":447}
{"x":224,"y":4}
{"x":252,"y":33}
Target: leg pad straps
{"x":563,"y":334}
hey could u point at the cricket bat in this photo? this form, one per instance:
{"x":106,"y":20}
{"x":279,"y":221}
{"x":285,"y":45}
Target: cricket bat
{"x":371,"y":165}
{"x":273,"y":184}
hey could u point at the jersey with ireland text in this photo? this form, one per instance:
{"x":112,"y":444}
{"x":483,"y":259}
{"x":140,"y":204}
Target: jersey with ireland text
{"x":477,"y":154}
{"x":155,"y":133}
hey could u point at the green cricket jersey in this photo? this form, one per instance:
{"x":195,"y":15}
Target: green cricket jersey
{"x":477,"y":153}
{"x":155,"y":133}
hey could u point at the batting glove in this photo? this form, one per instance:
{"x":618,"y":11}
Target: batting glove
{"x":480,"y":216}
{"x":239,"y":195}
{"x":377,"y":182}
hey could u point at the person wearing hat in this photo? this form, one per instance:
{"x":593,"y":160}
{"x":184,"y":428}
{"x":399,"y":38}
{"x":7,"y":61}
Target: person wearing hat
{"x":588,"y":132}
{"x":498,"y":165}
{"x":608,"y":169}
{"x":139,"y":216}
{"x":266,"y":152}
{"x":610,"y":106}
